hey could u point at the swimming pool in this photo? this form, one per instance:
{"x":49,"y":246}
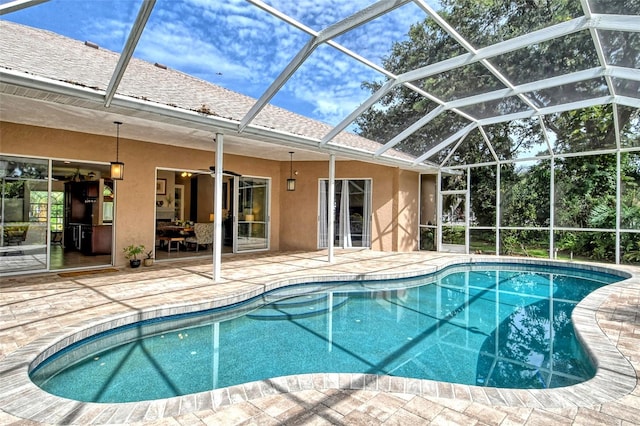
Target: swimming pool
{"x":472,"y":324}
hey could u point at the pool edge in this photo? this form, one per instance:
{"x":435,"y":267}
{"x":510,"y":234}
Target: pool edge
{"x":17,"y":391}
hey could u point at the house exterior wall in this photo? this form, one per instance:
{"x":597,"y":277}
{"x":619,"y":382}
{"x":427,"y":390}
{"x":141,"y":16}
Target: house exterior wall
{"x":293,"y":214}
{"x":394,"y":201}
{"x":407,"y":220}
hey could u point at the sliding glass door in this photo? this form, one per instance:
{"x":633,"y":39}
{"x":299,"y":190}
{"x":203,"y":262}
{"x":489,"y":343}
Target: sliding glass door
{"x":54,"y":214}
{"x":252,"y":214}
{"x":352,"y":206}
{"x":24,"y":213}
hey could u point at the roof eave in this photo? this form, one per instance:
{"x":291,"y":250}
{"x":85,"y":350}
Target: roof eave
{"x":92,"y":98}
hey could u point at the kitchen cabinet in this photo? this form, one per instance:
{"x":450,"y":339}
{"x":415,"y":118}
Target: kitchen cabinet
{"x":84,"y":229}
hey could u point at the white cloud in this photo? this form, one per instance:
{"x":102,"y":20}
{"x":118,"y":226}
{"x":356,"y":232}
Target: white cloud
{"x":249,"y":46}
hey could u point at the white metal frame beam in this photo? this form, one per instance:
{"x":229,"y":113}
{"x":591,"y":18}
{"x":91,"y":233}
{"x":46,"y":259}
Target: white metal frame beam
{"x":626,"y":23}
{"x":574,"y":77}
{"x":516,"y":43}
{"x":627,"y":101}
{"x":460,"y":133}
{"x":489,"y":144}
{"x":16,"y":5}
{"x":470,"y":48}
{"x":129,"y":47}
{"x":522,"y":115}
{"x":359,"y":18}
{"x":287,"y":19}
{"x":507,"y":46}
{"x":482,"y":55}
{"x":410,"y":130}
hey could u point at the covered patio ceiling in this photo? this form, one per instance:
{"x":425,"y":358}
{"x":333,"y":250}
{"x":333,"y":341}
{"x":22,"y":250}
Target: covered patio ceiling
{"x":509,"y":97}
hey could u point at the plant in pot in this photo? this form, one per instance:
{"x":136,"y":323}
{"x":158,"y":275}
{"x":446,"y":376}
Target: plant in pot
{"x":131,"y":252}
{"x":148,"y":261}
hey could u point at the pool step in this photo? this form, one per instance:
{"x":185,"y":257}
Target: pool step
{"x":297,"y":307}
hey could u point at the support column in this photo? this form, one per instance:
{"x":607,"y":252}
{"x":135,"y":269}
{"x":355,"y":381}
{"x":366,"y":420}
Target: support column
{"x":331,"y":216}
{"x":467,"y":213}
{"x":217,"y":210}
{"x":439,"y":211}
{"x":552,"y":208}
{"x":618,"y":206}
{"x":498,"y":208}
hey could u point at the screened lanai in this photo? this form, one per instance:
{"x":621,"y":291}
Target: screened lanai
{"x":523,"y":115}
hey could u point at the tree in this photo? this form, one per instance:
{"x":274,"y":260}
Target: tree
{"x":585,"y":186}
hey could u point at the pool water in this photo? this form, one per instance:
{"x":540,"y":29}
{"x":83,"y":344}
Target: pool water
{"x":487,"y":325}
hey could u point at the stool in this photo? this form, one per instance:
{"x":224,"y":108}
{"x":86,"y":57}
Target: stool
{"x":169,"y":240}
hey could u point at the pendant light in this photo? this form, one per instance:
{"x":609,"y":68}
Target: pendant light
{"x":291,"y":182}
{"x":117,"y":168}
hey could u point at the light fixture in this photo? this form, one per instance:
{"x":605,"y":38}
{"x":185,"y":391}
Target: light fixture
{"x":291,"y":182}
{"x":185,"y":174}
{"x":117,"y":168}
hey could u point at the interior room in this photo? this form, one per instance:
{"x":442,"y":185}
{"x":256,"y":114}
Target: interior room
{"x":80,"y":224}
{"x":184,"y":214}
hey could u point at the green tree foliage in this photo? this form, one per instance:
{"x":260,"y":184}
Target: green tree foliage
{"x":585,"y":185}
{"x":526,"y":196}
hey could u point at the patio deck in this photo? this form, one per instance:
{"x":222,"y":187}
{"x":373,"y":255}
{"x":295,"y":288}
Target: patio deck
{"x":37,"y":311}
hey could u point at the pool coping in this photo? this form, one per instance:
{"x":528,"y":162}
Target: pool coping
{"x":615,"y":377}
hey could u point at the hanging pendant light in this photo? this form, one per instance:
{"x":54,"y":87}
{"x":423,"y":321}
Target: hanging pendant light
{"x":291,"y":182}
{"x":117,"y":168}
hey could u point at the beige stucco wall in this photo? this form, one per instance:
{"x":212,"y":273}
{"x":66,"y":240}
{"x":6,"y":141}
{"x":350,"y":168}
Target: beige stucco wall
{"x":394,"y":200}
{"x":428,"y":200}
{"x":293,"y":214}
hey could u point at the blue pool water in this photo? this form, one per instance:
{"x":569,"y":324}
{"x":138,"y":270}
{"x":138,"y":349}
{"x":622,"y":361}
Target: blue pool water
{"x":488,"y":325}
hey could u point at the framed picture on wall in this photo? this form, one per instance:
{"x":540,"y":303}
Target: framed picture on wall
{"x":161,"y":186}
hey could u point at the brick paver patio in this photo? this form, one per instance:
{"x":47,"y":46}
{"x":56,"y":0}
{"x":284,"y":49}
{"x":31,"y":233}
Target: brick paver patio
{"x":37,"y":311}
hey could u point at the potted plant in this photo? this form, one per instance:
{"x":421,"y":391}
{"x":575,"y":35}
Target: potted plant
{"x":131,"y":252}
{"x":148,"y":261}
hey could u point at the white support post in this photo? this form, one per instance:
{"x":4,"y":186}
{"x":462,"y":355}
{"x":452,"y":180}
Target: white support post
{"x":467,"y":213}
{"x":331,"y":216}
{"x":552,"y":208}
{"x":439,"y":211}
{"x":49,"y":192}
{"x":498,"y":211}
{"x":618,"y":205}
{"x":217,"y":210}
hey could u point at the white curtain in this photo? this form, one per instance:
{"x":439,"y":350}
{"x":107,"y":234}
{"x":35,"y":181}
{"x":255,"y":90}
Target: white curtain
{"x":366,"y":215}
{"x":344,"y":224}
{"x":323,"y":216}
{"x":343,"y":230}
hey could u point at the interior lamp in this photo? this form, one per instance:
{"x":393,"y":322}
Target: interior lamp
{"x":291,"y":182}
{"x":117,"y":168}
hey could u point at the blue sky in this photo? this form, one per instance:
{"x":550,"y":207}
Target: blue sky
{"x":238,"y":46}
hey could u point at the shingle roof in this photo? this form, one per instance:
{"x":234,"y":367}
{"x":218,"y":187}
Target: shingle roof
{"x":46,"y":54}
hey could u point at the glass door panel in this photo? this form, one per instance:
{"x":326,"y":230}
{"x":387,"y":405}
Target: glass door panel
{"x":352,"y":221}
{"x":252,"y":213}
{"x":23,"y":214}
{"x":82,"y":215}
